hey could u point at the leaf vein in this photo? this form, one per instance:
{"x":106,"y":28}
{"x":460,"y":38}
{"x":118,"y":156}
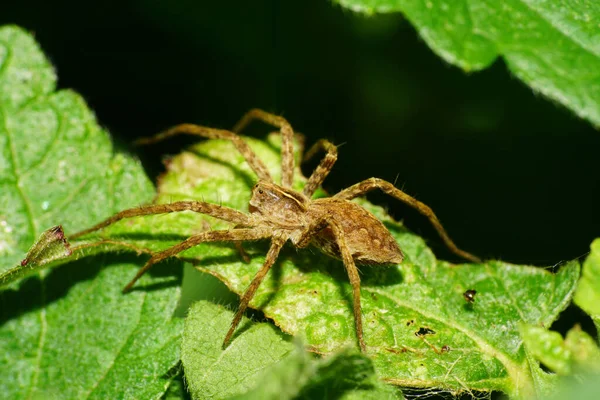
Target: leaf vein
{"x":500,"y":284}
{"x":121,"y":349}
{"x":50,"y":147}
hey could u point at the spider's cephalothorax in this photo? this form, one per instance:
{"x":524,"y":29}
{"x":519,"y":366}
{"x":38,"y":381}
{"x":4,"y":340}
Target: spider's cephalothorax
{"x":337,"y":226}
{"x":368,"y":240}
{"x":282,"y":208}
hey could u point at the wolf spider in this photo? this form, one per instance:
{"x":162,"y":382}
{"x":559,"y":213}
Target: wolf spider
{"x":337,"y":226}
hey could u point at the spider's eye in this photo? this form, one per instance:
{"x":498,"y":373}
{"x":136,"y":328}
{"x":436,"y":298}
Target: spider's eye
{"x":260,"y":191}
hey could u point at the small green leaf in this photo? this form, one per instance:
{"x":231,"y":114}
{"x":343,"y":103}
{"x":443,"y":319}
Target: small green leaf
{"x":577,"y":356}
{"x":548,"y":347}
{"x":69,"y":332}
{"x":347,"y":374}
{"x":552,"y":45}
{"x":587,"y":295}
{"x":263,"y":364}
{"x":585,"y":351}
{"x":212,"y":372}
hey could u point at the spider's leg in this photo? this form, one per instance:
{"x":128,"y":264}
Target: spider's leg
{"x":349,"y":264}
{"x":240,"y":249}
{"x":242,"y":252}
{"x":353,"y":277}
{"x":276,"y":245}
{"x":212,"y":236}
{"x":287,"y":140}
{"x":214,"y":210}
{"x":367,"y":185}
{"x":211,"y":133}
{"x":324,"y":167}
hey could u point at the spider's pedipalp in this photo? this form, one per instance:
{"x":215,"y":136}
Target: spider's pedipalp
{"x":324,"y":167}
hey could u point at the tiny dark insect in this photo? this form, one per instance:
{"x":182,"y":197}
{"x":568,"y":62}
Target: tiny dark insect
{"x":469,"y":295}
{"x":423,"y":331}
{"x":337,"y":226}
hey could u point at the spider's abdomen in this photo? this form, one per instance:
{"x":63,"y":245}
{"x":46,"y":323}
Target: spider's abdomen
{"x":368,"y":239}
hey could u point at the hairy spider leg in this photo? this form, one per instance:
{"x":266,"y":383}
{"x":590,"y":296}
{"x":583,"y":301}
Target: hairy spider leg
{"x":349,"y":264}
{"x":214,"y":210}
{"x":287,"y":140}
{"x":354,"y":280}
{"x":324,"y":167}
{"x":367,"y":185}
{"x":211,"y":133}
{"x":276,"y":244}
{"x":205,"y":237}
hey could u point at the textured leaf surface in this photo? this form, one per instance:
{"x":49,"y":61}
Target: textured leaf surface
{"x":547,"y":346}
{"x":212,"y":373}
{"x":584,"y":351}
{"x":69,"y":333}
{"x":263,"y":364}
{"x":552,"y":45}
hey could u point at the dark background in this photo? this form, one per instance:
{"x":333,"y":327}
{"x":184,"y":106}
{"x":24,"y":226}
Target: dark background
{"x":510,"y":174}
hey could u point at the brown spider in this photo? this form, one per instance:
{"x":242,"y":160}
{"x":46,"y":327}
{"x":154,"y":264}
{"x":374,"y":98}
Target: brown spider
{"x":337,"y":226}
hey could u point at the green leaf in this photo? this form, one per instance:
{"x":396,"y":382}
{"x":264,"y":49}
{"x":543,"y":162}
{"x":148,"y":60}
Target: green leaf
{"x":263,"y":364}
{"x":548,"y":347}
{"x":577,"y":357}
{"x":587,"y":295}
{"x":575,"y":389}
{"x":69,"y":332}
{"x":213,"y":373}
{"x":308,"y":294}
{"x":552,"y":45}
{"x":585,"y":351}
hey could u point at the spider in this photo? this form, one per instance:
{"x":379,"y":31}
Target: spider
{"x":338,"y":227}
